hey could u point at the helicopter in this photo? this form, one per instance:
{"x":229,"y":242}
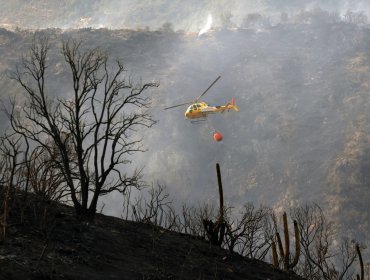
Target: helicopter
{"x":199,"y":110}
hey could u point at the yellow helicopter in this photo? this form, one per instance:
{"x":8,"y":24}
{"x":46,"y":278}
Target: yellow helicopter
{"x":201,"y":109}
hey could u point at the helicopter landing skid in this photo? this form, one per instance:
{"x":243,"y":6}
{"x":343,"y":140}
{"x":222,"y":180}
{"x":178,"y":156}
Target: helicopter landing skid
{"x":198,"y":121}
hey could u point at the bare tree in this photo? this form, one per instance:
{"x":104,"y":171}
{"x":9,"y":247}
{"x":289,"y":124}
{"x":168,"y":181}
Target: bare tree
{"x":155,"y":208}
{"x":316,"y":235}
{"x":347,"y":256}
{"x":11,"y":176}
{"x":321,"y":259}
{"x":94,"y":131}
{"x":249,"y":235}
{"x":191,"y":219}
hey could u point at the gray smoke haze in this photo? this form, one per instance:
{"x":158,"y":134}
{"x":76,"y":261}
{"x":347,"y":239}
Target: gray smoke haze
{"x":183,"y":15}
{"x":301,"y":133}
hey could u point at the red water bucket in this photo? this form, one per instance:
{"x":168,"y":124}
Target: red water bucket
{"x":217,"y":136}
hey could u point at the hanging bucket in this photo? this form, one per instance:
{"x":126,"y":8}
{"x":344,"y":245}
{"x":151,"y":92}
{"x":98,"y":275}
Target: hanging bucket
{"x":217,"y":136}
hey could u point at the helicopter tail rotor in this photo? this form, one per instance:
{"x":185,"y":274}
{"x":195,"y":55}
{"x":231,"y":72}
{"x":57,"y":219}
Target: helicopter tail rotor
{"x":232,"y":105}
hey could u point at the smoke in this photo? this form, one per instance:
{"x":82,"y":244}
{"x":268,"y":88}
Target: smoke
{"x":207,"y":26}
{"x":298,"y":90}
{"x":183,"y":15}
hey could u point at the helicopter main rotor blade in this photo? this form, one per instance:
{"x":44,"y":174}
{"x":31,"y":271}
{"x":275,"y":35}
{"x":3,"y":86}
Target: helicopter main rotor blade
{"x":178,"y":105}
{"x":208,"y":88}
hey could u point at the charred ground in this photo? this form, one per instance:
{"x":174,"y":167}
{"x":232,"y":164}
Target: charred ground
{"x":61,"y":246}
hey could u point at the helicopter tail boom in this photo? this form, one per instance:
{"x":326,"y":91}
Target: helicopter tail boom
{"x":232,"y":105}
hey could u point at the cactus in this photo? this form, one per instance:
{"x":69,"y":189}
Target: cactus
{"x":361,"y":263}
{"x":216,"y":230}
{"x":274,"y":254}
{"x":285,"y":252}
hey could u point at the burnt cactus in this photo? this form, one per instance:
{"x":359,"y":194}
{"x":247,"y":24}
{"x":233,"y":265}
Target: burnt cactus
{"x":361,"y":276}
{"x":216,"y":230}
{"x":284,"y":253}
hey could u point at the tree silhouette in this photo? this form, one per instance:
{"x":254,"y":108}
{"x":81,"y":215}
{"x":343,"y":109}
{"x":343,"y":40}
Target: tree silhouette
{"x":317,"y":239}
{"x":91,"y":133}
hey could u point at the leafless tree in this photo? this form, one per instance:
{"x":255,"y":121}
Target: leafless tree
{"x":11,"y":175}
{"x":316,"y":236}
{"x":192,"y":217}
{"x":94,"y":131}
{"x":155,"y":208}
{"x":317,"y":241}
{"x":347,"y":256}
{"x":249,"y":235}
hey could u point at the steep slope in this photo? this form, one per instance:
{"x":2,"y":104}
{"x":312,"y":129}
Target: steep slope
{"x":62,"y":247}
